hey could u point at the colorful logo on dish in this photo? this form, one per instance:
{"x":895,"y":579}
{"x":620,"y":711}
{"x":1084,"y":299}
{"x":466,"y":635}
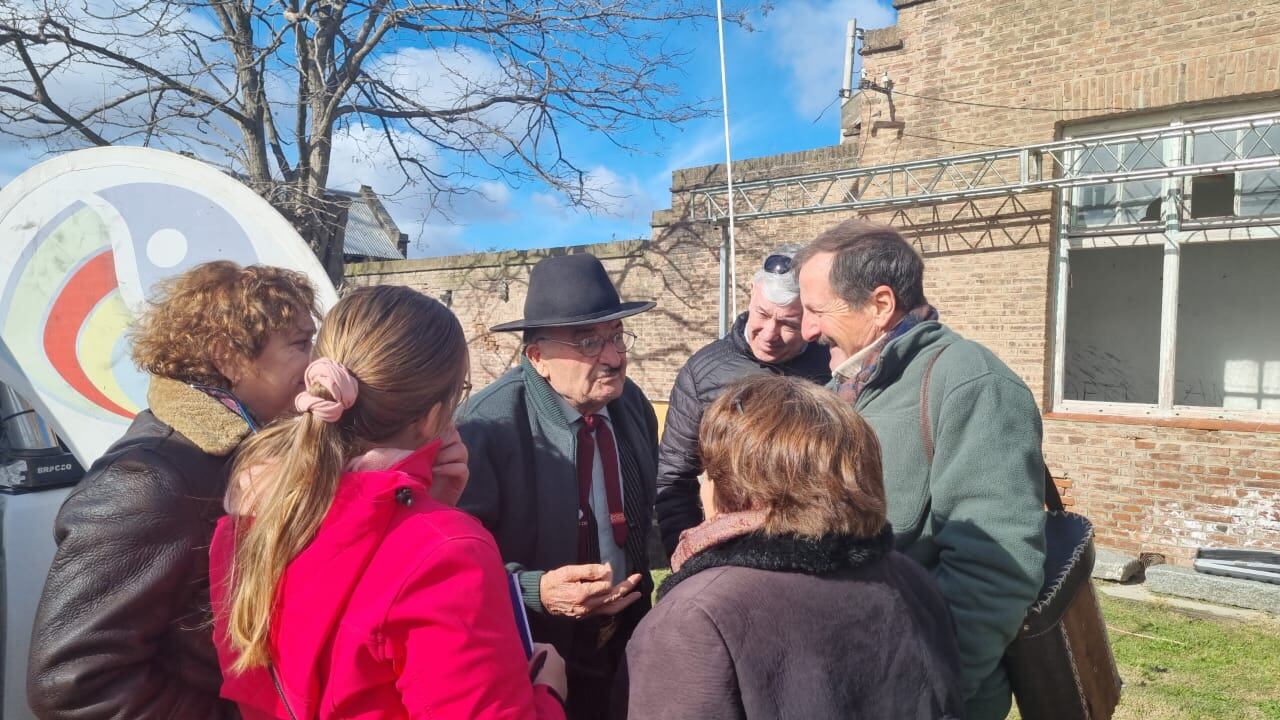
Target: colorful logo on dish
{"x":84,"y":240}
{"x":73,"y":289}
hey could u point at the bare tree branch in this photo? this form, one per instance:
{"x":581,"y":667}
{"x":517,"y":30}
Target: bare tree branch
{"x":166,"y":81}
{"x":41,"y":96}
{"x":446,"y":95}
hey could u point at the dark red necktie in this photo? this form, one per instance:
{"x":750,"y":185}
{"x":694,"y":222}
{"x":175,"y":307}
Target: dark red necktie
{"x":597,"y":425}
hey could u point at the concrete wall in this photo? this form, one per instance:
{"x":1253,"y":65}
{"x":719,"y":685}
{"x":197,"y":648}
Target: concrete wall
{"x":1160,"y":486}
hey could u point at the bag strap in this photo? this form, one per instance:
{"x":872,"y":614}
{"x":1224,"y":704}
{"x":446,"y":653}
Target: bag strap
{"x":926,"y":424}
{"x":280,"y":691}
{"x":1052,"y":498}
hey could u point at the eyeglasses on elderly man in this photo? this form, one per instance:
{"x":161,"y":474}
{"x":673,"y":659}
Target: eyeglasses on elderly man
{"x":593,"y":345}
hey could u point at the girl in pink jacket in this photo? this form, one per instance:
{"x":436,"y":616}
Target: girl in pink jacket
{"x":341,"y":587}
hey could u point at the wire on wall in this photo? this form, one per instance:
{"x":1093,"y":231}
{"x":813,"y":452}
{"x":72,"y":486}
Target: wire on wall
{"x":1030,"y":108}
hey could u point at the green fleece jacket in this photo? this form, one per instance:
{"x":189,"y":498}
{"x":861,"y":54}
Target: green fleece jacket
{"x":975,"y":516}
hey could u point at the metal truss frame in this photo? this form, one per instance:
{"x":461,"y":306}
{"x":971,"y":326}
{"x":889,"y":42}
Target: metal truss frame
{"x":1094,"y":160}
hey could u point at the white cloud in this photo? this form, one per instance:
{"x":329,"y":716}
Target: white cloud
{"x":435,"y":223}
{"x":432,"y":240}
{"x":619,"y":196}
{"x":437,"y":77}
{"x":548,"y":202}
{"x":139,"y":31}
{"x":808,"y":38}
{"x":440,"y":77}
{"x":704,"y":148}
{"x":142,"y":32}
{"x":363,"y":155}
{"x":489,"y":201}
{"x":607,"y":194}
{"x":453,"y":78}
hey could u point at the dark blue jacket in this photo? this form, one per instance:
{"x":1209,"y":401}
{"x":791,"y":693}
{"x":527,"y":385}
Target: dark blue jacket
{"x":698,"y":384}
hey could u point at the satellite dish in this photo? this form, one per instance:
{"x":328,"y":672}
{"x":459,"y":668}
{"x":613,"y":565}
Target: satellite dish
{"x":85,"y":237}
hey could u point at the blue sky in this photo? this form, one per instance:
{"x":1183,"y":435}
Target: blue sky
{"x":781,"y":76}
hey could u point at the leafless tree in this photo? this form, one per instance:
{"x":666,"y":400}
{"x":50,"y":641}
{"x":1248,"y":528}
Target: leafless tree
{"x":453,"y":92}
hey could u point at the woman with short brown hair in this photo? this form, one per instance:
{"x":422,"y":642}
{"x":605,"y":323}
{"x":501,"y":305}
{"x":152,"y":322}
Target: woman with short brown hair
{"x":123,"y":628}
{"x":789,"y":601}
{"x":809,"y":465}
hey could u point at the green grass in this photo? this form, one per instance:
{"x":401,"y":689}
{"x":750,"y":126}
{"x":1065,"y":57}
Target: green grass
{"x":1179,"y":666}
{"x":1193,"y":667}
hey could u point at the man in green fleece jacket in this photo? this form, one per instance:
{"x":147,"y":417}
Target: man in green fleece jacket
{"x":971,"y":507}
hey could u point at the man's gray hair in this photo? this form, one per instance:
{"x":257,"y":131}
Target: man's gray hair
{"x":779,"y":288}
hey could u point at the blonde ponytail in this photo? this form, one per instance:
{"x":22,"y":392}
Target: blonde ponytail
{"x":408,"y":354}
{"x":300,"y":462}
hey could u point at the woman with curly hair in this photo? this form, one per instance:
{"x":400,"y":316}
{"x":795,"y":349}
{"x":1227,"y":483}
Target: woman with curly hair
{"x":123,"y":628}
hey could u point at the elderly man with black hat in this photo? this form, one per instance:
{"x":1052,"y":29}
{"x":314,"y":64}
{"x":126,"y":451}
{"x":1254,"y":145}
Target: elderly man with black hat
{"x":563,"y":461}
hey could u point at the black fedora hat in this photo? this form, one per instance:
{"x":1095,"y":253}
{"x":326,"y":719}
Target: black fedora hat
{"x":567,"y":290}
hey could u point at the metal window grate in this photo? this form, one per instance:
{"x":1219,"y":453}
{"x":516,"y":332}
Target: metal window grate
{"x":996,"y":173}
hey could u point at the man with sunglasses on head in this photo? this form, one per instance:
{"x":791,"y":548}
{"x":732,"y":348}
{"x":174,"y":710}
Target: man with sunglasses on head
{"x":562,"y":457}
{"x":764,"y":339}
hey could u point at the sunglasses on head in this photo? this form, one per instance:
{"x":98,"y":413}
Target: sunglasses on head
{"x":777,"y":264}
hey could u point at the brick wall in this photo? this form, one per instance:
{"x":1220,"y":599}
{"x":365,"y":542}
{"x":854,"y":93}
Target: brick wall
{"x":1170,"y":490}
{"x":1130,"y":55}
{"x":489,"y":288}
{"x":1148,"y":487}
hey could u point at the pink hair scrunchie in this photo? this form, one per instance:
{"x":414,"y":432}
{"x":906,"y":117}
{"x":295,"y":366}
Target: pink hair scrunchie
{"x":340,"y":383}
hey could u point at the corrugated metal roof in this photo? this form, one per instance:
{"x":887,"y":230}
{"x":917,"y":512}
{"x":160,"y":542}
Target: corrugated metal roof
{"x":364,"y":236}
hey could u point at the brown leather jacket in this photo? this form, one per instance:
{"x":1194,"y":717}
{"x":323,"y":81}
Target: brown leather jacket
{"x":123,"y":627}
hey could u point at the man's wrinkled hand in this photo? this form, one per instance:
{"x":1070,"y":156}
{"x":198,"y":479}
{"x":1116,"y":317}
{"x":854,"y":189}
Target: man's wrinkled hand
{"x":581,"y":591}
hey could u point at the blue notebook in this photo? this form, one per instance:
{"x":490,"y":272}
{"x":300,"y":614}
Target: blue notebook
{"x":522,"y":620}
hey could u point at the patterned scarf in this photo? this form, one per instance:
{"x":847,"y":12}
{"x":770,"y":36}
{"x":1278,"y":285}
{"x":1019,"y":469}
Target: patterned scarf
{"x":851,"y":378}
{"x":230,"y":402}
{"x":718,"y":529}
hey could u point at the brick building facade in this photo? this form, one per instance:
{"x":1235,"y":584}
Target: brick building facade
{"x":1163,"y":459}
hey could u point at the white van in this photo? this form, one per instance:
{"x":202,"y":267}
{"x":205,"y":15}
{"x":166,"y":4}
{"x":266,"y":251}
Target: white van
{"x":36,"y":475}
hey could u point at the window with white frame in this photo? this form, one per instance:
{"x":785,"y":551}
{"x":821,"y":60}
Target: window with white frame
{"x":1168,"y":278}
{"x":1122,"y":203}
{"x":1249,"y":193}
